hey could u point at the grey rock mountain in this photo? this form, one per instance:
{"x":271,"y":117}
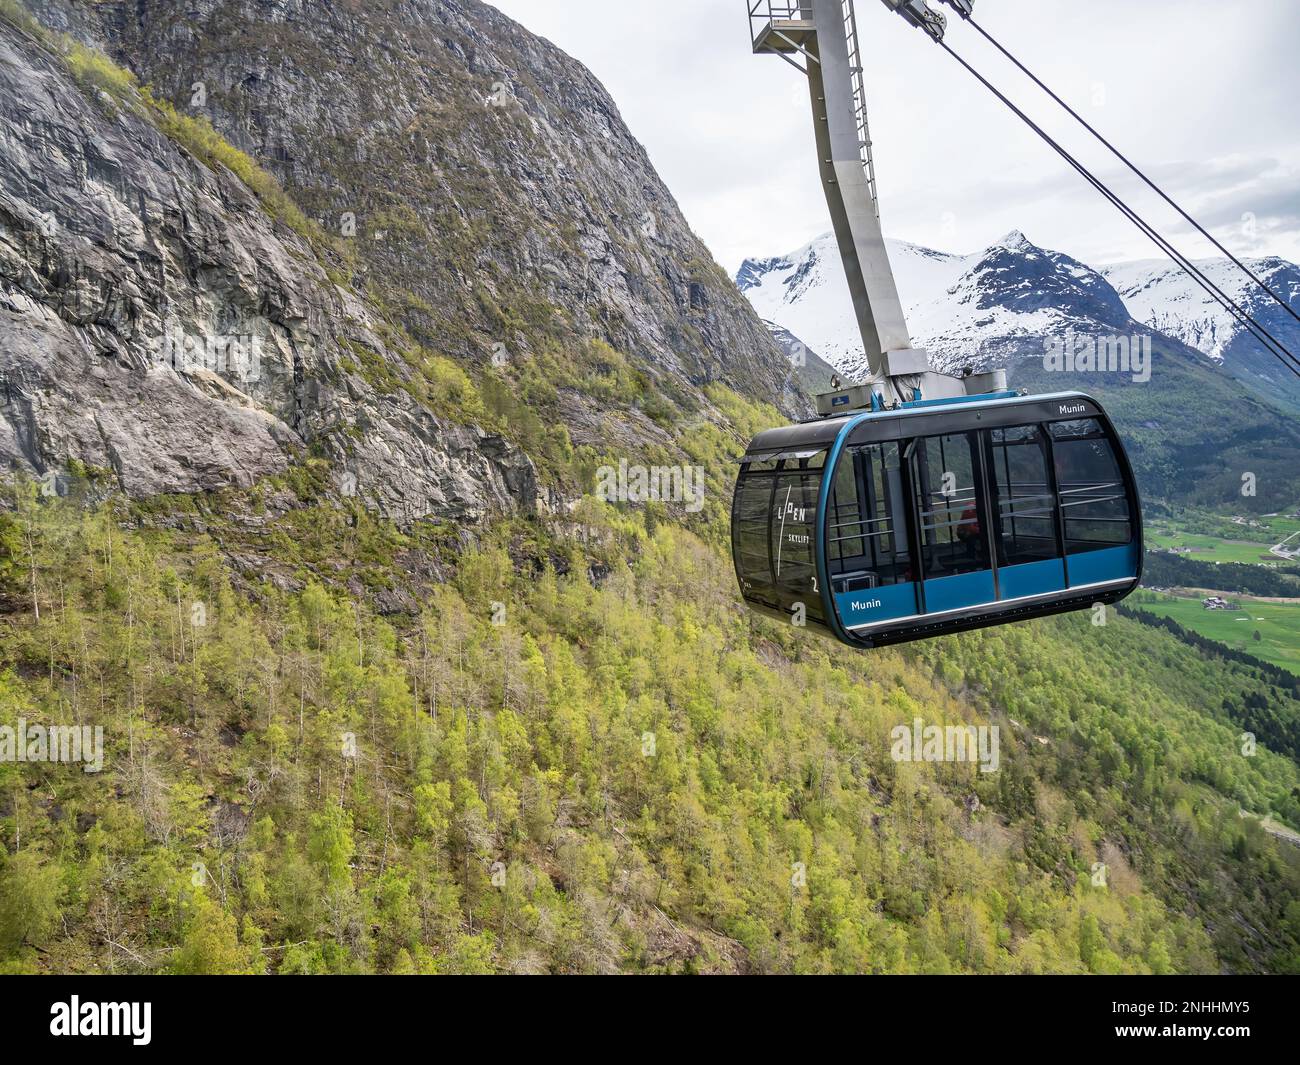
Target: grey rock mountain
{"x":115,"y":245}
{"x":470,"y":190}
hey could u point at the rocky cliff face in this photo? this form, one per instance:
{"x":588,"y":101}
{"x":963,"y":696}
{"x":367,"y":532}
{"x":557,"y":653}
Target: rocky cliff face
{"x":155,"y":322}
{"x":477,"y":197}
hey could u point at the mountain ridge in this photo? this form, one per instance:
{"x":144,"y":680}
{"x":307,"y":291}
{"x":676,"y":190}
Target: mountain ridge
{"x":407,"y":336}
{"x":1153,"y":293}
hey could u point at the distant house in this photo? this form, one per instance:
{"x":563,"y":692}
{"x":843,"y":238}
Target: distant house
{"x":1215,"y":602}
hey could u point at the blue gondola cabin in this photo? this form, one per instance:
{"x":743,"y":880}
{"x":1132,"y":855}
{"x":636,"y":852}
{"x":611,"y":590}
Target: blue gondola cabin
{"x":886,"y":526}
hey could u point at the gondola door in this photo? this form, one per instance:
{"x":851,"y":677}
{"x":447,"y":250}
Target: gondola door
{"x":868,"y":548}
{"x":951,"y":522}
{"x":1024,"y":513}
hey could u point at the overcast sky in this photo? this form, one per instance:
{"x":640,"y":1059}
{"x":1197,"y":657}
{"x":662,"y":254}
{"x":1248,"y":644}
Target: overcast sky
{"x":1201,"y":93}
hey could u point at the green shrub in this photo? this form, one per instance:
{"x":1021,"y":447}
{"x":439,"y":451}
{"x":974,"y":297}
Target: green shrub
{"x":94,"y":70}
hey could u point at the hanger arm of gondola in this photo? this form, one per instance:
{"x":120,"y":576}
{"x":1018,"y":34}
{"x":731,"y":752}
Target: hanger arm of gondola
{"x":825,"y":34}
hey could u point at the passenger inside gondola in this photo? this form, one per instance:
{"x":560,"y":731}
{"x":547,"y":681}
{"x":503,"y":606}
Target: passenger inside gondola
{"x":952,"y":538}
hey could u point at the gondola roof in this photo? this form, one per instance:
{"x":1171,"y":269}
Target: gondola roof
{"x":917,"y":419}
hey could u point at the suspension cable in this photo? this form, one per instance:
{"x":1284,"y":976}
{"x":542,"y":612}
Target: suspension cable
{"x":1133,"y":167}
{"x":1270,"y":343}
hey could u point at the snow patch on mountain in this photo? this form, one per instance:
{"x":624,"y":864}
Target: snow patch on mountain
{"x":806,"y":291}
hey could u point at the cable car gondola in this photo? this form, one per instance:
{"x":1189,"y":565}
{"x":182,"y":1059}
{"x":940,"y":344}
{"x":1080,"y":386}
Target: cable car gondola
{"x":922,"y":503}
{"x":937,"y":517}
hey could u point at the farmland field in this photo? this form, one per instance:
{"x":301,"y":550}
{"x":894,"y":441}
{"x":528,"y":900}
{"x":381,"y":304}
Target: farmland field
{"x":1278,"y":625}
{"x":1212,"y":548}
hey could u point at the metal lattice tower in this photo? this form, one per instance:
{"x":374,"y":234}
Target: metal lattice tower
{"x":860,"y":98}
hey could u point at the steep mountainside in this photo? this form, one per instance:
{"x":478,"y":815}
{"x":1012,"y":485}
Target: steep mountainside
{"x":159,"y":325}
{"x":814,"y":372}
{"x":471,"y":203}
{"x":496,"y":194}
{"x":1195,"y":427}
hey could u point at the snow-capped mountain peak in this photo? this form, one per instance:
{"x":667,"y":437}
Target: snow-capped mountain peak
{"x":965,"y":309}
{"x":806,"y":292}
{"x":1013,"y":241}
{"x":1011,"y":300}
